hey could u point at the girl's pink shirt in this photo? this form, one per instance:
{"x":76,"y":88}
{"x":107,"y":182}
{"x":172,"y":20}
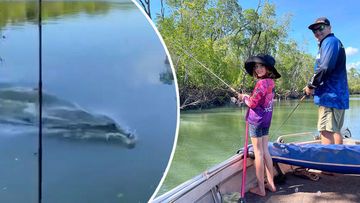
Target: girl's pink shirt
{"x":260,"y":103}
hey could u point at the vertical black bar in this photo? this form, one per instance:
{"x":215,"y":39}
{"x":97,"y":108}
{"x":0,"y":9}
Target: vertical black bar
{"x":40,"y":105}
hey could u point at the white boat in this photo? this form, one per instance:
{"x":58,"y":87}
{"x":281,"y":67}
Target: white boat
{"x":222,"y":183}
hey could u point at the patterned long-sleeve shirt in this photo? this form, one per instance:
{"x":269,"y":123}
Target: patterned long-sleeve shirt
{"x":330,"y":77}
{"x":260,"y":103}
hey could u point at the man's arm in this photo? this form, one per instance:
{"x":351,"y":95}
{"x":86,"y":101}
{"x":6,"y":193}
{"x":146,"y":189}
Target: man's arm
{"x":329,"y":52}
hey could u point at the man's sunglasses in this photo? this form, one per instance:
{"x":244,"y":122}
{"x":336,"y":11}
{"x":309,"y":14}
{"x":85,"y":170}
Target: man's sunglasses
{"x":320,"y":28}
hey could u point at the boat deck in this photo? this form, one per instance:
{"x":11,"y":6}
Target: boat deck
{"x":329,"y":188}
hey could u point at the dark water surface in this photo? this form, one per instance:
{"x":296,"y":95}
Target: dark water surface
{"x":100,"y":58}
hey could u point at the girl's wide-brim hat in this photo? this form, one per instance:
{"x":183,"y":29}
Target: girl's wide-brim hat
{"x":264,"y":59}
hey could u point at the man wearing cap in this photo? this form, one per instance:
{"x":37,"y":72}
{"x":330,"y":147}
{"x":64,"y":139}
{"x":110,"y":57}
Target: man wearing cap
{"x":329,"y":83}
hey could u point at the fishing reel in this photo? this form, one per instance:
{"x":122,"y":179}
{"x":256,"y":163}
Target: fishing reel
{"x":346,"y":133}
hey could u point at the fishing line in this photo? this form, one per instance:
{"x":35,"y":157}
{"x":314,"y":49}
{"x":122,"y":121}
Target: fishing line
{"x":40,"y":105}
{"x":290,"y":114}
{"x":206,"y":68}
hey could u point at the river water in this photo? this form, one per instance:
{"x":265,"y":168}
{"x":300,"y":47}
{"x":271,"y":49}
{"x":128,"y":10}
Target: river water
{"x":208,"y":137}
{"x":102,"y":60}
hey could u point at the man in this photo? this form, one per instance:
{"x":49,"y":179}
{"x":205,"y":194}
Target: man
{"x":329,"y":82}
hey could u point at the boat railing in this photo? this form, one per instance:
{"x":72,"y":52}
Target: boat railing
{"x":346,"y":133}
{"x":281,"y":138}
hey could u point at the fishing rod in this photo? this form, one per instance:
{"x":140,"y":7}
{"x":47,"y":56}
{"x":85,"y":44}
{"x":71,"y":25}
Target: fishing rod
{"x":245,"y":153}
{"x":206,"y":68}
{"x":290,"y":114}
{"x":40,"y":141}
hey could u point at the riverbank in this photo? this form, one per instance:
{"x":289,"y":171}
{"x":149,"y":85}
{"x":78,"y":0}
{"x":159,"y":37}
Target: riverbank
{"x":194,"y":98}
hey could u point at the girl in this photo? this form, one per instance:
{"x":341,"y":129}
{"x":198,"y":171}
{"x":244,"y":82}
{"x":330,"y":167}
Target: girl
{"x":259,"y":117}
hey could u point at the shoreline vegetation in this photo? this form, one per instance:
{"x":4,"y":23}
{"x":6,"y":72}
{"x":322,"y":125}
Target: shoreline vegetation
{"x":196,"y":98}
{"x":219,"y":36}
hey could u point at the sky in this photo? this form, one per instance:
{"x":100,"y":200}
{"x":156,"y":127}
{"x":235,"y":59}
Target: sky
{"x":344,"y":18}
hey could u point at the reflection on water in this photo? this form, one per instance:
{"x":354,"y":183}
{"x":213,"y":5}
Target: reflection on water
{"x":21,"y":12}
{"x":105,"y":65}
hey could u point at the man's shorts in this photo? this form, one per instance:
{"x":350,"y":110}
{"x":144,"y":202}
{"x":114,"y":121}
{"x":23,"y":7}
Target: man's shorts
{"x":330,"y":119}
{"x":257,"y":132}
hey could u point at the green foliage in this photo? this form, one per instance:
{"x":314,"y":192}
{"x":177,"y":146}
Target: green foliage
{"x":295,"y":66}
{"x":222,"y":35}
{"x":354,"y":80}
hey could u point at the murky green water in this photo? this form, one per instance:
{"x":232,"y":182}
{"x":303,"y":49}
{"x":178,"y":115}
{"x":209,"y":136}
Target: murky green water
{"x":209,"y":137}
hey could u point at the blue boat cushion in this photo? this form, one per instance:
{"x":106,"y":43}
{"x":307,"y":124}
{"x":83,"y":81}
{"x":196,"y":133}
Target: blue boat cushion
{"x":332,"y":158}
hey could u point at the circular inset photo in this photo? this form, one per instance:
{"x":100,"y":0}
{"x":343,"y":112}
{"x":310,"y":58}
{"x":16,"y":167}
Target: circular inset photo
{"x":88,"y":102}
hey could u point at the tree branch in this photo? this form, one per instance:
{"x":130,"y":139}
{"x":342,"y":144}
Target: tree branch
{"x":146,"y":5}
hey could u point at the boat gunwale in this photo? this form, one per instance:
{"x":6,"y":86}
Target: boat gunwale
{"x":186,"y":186}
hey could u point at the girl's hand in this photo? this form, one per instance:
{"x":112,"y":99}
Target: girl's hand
{"x":241,"y":96}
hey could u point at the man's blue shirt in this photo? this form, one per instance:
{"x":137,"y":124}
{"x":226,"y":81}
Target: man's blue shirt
{"x":330,"y":78}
